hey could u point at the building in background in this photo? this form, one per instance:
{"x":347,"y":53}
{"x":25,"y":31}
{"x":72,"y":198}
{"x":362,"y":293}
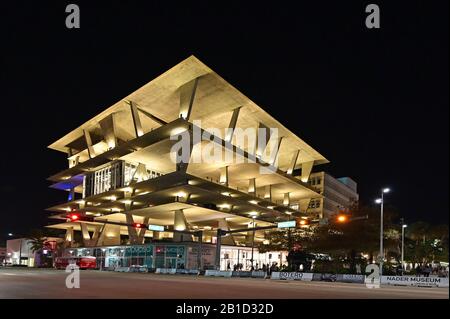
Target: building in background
{"x":2,"y":255}
{"x":338,"y":195}
{"x":126,"y":189}
{"x":19,"y":252}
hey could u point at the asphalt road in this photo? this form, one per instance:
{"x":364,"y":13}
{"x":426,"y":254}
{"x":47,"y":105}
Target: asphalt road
{"x":48,"y":283}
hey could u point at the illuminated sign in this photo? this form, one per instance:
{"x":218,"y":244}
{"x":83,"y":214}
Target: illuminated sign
{"x":287,"y":224}
{"x":155,"y":227}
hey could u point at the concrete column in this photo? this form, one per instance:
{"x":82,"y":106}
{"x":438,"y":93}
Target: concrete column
{"x":224,"y":176}
{"x":306,"y":171}
{"x":88,"y":240}
{"x":180,"y":223}
{"x":252,"y":186}
{"x":85,"y":234}
{"x":132,"y":232}
{"x":141,"y":234}
{"x":303,"y":204}
{"x":107,"y":126}
{"x":227,"y":239}
{"x":268,"y":193}
{"x":286,"y":200}
{"x":69,"y":237}
{"x":274,"y":157}
{"x":157,"y":235}
{"x":110,"y":235}
{"x":96,"y":234}
{"x":140,"y":174}
{"x":138,"y":131}
{"x":187,"y":95}
{"x":291,"y":167}
{"x":90,"y":147}
{"x":74,"y":162}
{"x":232,"y":126}
{"x":263,"y":137}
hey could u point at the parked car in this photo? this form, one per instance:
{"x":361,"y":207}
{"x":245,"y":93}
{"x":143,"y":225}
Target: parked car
{"x":85,"y":262}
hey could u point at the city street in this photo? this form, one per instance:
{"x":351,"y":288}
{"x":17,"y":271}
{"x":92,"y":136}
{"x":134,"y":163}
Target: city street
{"x":49,"y":283}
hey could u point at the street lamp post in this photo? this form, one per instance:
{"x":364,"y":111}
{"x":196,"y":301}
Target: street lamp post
{"x":381,"y":202}
{"x":253,"y":243}
{"x":403,"y":247}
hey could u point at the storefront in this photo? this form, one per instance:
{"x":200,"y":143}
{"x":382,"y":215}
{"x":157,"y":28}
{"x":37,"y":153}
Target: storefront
{"x":150,"y":255}
{"x":180,"y":256}
{"x":241,"y":257}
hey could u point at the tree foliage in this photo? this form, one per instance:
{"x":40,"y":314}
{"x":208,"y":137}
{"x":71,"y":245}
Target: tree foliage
{"x":423,"y":242}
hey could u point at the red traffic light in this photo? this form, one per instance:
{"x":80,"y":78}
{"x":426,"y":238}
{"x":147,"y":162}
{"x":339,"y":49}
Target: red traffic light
{"x":74,"y":217}
{"x":78,"y":218}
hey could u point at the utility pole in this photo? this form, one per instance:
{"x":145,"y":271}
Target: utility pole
{"x":403,"y":245}
{"x":381,"y":202}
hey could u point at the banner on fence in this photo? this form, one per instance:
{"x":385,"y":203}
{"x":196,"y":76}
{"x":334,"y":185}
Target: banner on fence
{"x":292,"y":276}
{"x":258,"y":274}
{"x":357,"y":279}
{"x":244,"y":274}
{"x":324,"y":277}
{"x":415,"y":281}
{"x":218,"y":273}
{"x":166,"y":271}
{"x":187,"y":271}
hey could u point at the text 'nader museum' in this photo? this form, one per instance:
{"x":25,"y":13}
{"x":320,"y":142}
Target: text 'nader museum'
{"x":136,"y":199}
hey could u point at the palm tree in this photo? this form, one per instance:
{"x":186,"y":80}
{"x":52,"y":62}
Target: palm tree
{"x":36,"y":242}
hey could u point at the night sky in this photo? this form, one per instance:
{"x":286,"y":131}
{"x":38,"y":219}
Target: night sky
{"x":374,"y":102}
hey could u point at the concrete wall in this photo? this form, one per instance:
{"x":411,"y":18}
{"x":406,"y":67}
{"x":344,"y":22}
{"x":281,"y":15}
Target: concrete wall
{"x":16,"y":248}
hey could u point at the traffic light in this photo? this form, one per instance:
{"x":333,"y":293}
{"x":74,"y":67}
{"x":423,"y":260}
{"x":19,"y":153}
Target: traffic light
{"x":76,"y":217}
{"x":301,"y":222}
{"x":342,"y":218}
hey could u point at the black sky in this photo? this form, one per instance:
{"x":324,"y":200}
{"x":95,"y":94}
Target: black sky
{"x":374,"y":102}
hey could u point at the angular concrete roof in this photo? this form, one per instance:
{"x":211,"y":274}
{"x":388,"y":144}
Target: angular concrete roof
{"x":214,"y":102}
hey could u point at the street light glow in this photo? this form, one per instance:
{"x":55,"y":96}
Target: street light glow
{"x":386,"y":190}
{"x":10,"y":234}
{"x":404,"y":226}
{"x":378,"y":200}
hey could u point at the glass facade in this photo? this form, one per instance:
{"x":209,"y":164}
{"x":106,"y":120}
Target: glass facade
{"x":116,"y":175}
{"x":150,"y":255}
{"x":241,"y":257}
{"x":181,"y":256}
